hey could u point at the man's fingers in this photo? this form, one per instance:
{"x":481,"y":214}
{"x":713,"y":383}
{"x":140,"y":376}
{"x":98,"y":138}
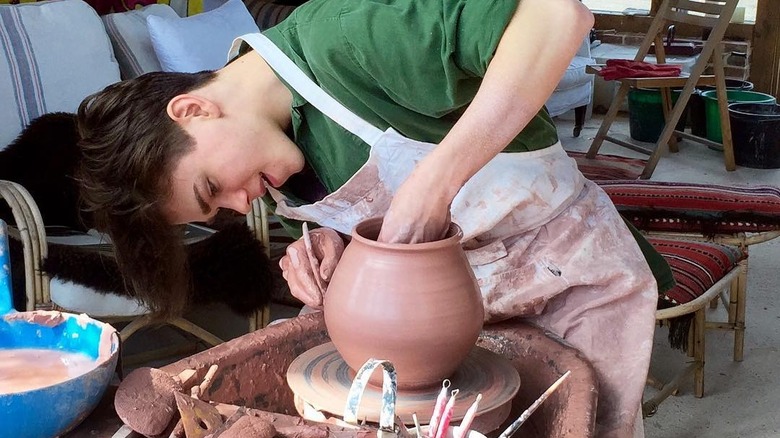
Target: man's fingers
{"x":306,"y":290}
{"x":300,"y":277}
{"x":331,"y":254}
{"x":328,"y":247}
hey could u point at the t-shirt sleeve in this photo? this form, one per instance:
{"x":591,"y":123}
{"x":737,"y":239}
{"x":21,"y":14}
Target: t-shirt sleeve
{"x":478,"y":28}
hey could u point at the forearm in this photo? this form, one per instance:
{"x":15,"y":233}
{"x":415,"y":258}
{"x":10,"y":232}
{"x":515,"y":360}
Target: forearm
{"x":528,"y":64}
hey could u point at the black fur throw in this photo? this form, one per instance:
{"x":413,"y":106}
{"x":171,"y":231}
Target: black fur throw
{"x":228,"y":267}
{"x":43,"y":159}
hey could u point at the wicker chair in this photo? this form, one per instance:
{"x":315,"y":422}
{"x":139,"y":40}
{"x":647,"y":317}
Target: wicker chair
{"x":30,"y":231}
{"x":703,"y":271}
{"x":736,"y":216}
{"x":686,"y":222}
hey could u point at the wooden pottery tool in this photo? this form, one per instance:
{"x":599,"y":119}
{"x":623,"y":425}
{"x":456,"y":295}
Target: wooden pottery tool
{"x":313,"y":261}
{"x":527,"y":413}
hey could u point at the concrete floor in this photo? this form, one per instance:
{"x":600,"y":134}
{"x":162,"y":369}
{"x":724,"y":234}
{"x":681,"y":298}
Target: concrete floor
{"x":741,"y":399}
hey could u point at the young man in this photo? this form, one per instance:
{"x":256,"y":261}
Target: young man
{"x":348,"y":110}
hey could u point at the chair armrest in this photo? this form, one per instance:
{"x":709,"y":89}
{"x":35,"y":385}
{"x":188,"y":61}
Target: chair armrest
{"x":30,"y":230}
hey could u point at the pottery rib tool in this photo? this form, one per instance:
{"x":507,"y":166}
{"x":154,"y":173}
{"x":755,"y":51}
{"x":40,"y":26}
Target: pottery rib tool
{"x":197,"y":391}
{"x":527,"y":413}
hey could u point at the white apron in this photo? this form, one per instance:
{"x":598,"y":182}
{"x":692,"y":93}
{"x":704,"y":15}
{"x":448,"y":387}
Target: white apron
{"x":544,"y":243}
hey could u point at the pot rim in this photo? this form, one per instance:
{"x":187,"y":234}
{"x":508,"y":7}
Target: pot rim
{"x":736,"y":109}
{"x":454,"y":235}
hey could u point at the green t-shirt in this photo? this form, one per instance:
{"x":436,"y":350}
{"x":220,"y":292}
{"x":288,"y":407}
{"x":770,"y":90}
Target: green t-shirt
{"x":367,"y":55}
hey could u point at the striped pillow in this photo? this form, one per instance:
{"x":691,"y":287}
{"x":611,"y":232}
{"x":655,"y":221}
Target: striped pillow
{"x":129,"y":36}
{"x":52,"y":55}
{"x":700,"y":208}
{"x":696,"y":266}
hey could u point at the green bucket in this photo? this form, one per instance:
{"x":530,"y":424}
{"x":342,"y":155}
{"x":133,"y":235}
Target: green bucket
{"x":733,"y":96}
{"x":646,"y":114}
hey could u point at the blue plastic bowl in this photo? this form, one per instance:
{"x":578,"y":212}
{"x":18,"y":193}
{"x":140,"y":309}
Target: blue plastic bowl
{"x":53,"y":410}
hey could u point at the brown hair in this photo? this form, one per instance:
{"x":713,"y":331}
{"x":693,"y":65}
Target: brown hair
{"x":129,"y":149}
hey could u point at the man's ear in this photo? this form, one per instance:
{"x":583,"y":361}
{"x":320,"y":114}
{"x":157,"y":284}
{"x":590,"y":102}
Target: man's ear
{"x":184,"y":107}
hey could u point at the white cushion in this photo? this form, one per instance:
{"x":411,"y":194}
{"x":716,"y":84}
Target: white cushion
{"x":576,"y":75}
{"x":77,"y":298}
{"x":568,"y":99}
{"x":52,"y":55}
{"x":574,"y":89}
{"x":130,"y":38}
{"x":202,"y":41}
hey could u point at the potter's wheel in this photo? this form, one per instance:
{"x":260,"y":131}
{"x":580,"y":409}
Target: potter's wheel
{"x":321,"y":378}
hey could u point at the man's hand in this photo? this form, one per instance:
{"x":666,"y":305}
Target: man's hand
{"x":308,"y":271}
{"x":420,"y":210}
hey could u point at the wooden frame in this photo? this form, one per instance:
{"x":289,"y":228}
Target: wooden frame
{"x":257,"y":221}
{"x":275,"y":240}
{"x":765,"y":60}
{"x":764,"y":36}
{"x":670,"y":13}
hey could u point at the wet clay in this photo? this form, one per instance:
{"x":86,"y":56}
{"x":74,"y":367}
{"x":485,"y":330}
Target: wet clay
{"x":252,"y":368}
{"x":320,"y":378}
{"x":541,"y":358}
{"x":252,"y":372}
{"x":416,"y":305}
{"x":249,"y":427}
{"x":145,"y":401}
{"x":288,"y":426}
{"x":26,"y":369}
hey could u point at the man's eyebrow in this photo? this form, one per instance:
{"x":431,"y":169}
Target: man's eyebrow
{"x":204,"y":206}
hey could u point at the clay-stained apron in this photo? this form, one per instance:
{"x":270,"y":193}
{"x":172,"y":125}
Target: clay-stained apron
{"x":535,"y":232}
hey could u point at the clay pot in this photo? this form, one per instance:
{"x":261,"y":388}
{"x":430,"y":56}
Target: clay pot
{"x":416,"y":305}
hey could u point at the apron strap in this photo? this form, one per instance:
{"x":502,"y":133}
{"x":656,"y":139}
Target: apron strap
{"x":315,"y":95}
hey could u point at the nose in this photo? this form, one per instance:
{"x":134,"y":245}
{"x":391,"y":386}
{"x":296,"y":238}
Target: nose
{"x":238,"y":201}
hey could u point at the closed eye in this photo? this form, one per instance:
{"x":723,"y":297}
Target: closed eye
{"x":213,"y":189}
